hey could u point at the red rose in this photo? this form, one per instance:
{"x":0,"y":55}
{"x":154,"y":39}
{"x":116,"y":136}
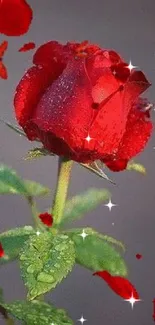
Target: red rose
{"x":83,"y":102}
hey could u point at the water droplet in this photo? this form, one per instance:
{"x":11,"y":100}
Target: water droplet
{"x":31,"y":269}
{"x":44,"y":277}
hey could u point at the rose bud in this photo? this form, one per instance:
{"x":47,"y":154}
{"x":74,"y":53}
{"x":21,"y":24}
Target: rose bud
{"x":83,"y":102}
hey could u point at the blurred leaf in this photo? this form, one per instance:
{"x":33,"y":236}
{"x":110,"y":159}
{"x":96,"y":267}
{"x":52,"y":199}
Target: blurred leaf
{"x":1,"y":295}
{"x":15,"y":128}
{"x":95,"y":168}
{"x":95,"y":253}
{"x":37,"y":313}
{"x":136,"y":167}
{"x":81,"y":204}
{"x":10,"y":182}
{"x":12,"y":242}
{"x":36,"y":189}
{"x":37,"y":153}
{"x":45,"y":260}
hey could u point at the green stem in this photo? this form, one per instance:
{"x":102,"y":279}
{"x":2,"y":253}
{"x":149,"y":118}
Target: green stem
{"x":9,"y":321}
{"x":64,"y":170}
{"x":35,"y":213}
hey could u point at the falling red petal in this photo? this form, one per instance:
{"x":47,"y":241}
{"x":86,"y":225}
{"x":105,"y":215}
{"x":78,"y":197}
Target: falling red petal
{"x":3,"y":48}
{"x":119,"y":285}
{"x":27,"y":47}
{"x":3,"y":71}
{"x":138,"y":256}
{"x":46,"y":218}
{"x":1,"y":251}
{"x":15,"y":17}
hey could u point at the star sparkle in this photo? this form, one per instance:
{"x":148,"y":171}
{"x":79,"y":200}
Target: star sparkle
{"x":132,"y":300}
{"x":38,"y":233}
{"x":110,"y":205}
{"x":88,"y":138}
{"x":82,"y":320}
{"x":83,"y":234}
{"x":131,"y":67}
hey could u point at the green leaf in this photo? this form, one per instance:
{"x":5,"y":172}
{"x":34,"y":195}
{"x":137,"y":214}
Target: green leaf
{"x":37,"y":313}
{"x":37,"y":153}
{"x":15,"y":128}
{"x":36,"y":189}
{"x":12,"y":242}
{"x":136,"y":167}
{"x":96,"y":168}
{"x":95,"y":253}
{"x":81,"y":204}
{"x":10,"y":182}
{"x":45,"y":260}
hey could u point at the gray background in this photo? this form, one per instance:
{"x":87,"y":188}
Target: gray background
{"x":129,"y":28}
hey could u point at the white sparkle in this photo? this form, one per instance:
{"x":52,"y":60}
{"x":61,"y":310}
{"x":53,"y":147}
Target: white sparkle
{"x":114,"y":72}
{"x":38,"y":233}
{"x":132,"y":300}
{"x":113,"y":224}
{"x":83,"y":234}
{"x":82,"y":320}
{"x":131,"y":67}
{"x":110,"y":205}
{"x":88,"y":138}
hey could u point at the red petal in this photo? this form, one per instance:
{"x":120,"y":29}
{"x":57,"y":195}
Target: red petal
{"x":30,"y":89}
{"x":116,"y":165}
{"x":1,"y":251}
{"x":3,"y":71}
{"x":138,"y":131}
{"x":65,"y":108}
{"x":27,"y":47}
{"x":109,"y":124}
{"x":138,"y":256}
{"x":113,"y":56}
{"x":119,"y":285}
{"x":3,"y":48}
{"x":15,"y":17}
{"x":51,"y":53}
{"x":46,"y":218}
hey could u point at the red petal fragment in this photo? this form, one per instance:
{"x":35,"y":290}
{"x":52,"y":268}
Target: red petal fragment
{"x":3,"y":48}
{"x":46,"y":218}
{"x":138,"y":256}
{"x":119,"y":285}
{"x":27,"y":47}
{"x":3,"y":71}
{"x":15,"y":17}
{"x":1,"y":251}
